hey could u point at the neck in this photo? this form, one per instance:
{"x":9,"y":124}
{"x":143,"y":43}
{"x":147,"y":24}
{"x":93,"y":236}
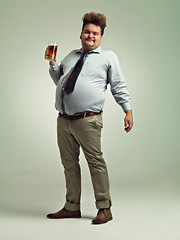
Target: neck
{"x":88,"y":50}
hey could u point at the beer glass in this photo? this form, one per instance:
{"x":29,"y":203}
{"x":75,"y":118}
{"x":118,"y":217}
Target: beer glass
{"x":51,"y":51}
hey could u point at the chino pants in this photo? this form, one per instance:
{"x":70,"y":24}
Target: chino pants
{"x":85,"y":133}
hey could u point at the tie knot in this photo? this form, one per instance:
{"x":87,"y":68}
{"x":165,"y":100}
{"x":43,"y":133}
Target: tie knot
{"x":83,"y":54}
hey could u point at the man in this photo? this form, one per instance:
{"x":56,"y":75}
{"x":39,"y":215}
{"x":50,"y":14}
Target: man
{"x":80,"y":97}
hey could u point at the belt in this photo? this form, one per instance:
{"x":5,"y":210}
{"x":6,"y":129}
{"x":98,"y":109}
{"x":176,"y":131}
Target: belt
{"x":82,"y":115}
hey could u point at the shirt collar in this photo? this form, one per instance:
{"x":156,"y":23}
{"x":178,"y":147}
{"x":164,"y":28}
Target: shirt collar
{"x":96,"y":50}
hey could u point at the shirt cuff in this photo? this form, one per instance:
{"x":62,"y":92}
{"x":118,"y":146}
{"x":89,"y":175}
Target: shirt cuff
{"x":126,"y":106}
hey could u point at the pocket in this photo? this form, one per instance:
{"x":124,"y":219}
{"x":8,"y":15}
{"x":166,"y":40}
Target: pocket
{"x":99,"y":122}
{"x":95,"y":121}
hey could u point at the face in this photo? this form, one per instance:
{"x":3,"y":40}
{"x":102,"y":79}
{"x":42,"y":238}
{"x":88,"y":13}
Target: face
{"x":91,"y":37}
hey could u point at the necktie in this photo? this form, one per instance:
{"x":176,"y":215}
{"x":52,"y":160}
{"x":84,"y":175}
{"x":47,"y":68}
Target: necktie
{"x":74,"y":75}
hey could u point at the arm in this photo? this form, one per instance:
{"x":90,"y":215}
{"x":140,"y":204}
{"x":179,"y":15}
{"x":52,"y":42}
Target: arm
{"x":119,"y":90}
{"x":55,"y":71}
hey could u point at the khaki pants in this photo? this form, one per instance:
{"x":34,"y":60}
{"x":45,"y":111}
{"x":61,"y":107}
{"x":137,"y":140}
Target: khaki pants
{"x":84,"y":133}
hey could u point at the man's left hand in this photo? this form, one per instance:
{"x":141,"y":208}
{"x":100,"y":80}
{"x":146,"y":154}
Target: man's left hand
{"x":128,"y":121}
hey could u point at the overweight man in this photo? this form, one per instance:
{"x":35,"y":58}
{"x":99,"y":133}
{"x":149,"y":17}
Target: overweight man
{"x":81,"y":80}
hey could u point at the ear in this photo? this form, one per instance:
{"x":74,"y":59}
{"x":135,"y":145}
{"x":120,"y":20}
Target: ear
{"x":81,"y":35}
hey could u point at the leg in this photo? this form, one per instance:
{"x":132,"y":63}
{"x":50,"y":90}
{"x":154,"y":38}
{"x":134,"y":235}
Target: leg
{"x":88,"y":134}
{"x":69,"y":151}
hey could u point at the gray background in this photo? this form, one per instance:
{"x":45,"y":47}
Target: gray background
{"x":143,"y":164}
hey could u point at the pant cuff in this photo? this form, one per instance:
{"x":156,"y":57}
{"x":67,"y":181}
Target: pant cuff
{"x":103,"y":204}
{"x":72,"y":206}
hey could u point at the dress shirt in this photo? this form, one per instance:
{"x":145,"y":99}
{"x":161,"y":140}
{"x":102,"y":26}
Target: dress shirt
{"x":100,"y":68}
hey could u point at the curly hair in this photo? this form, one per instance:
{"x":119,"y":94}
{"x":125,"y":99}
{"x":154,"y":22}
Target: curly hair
{"x":97,"y":19}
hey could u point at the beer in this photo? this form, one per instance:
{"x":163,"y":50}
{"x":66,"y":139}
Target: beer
{"x":51,"y":51}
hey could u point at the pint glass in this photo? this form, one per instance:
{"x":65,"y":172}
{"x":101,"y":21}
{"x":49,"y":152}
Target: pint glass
{"x":51,"y":51}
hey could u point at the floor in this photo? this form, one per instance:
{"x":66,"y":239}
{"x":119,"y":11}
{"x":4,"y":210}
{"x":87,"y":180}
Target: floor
{"x":142,"y":213}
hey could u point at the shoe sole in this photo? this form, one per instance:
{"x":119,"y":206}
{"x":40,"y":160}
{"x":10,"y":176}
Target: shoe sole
{"x":63,"y":217}
{"x":102,"y":222}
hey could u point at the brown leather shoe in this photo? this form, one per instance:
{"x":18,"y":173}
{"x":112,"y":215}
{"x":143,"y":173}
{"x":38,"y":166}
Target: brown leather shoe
{"x":64,"y":213}
{"x":103,"y":216}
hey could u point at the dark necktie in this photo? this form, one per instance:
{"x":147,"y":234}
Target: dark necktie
{"x":74,"y":75}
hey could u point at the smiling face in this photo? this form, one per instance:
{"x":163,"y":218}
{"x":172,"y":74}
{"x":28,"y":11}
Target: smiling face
{"x":91,"y":37}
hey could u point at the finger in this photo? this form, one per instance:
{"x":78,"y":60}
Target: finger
{"x":125,"y":123}
{"x":129,"y":127}
{"x":126,"y":127}
{"x":52,"y":62}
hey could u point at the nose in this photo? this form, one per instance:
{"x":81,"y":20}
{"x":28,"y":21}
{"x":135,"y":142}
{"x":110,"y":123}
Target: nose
{"x":90,"y":35}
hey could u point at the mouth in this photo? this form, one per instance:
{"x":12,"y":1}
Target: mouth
{"x":89,"y":40}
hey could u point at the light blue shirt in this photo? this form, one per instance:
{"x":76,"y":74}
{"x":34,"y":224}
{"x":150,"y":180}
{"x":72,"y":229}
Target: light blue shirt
{"x":100,"y":69}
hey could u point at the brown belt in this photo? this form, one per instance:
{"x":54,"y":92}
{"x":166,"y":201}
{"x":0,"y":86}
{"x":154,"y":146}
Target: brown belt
{"x":76,"y":117}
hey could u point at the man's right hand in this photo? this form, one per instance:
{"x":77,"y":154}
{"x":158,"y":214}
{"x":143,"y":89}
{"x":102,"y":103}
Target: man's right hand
{"x":52,"y":62}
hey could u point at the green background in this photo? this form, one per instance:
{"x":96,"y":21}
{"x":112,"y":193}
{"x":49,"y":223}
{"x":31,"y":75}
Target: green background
{"x":145,"y":35}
